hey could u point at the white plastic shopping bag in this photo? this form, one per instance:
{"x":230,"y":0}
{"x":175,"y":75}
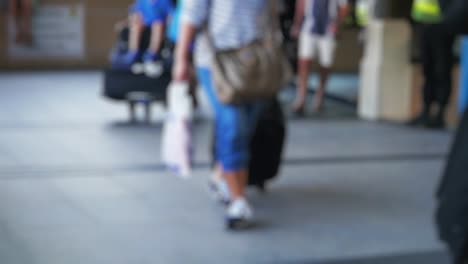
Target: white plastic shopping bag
{"x":177,"y":148}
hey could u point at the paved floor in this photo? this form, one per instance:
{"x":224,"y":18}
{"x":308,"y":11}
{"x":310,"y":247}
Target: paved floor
{"x":79,"y":185}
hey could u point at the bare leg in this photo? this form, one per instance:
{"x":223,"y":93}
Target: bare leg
{"x":304,"y":67}
{"x":236,"y":182}
{"x":320,"y":95}
{"x":218,"y":185}
{"x":243,"y":180}
{"x":157,"y":38}
{"x":218,"y":172}
{"x":136,"y":29}
{"x":151,"y":67}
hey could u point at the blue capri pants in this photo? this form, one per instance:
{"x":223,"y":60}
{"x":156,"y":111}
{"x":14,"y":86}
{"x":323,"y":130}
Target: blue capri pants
{"x":235,"y":125}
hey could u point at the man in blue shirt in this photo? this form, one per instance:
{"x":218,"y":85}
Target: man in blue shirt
{"x":151,"y":15}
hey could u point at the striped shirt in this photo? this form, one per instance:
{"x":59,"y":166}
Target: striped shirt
{"x":232,"y":23}
{"x":333,"y":13}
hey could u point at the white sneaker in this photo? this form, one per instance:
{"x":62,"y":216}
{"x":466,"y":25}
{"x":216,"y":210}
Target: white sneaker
{"x":153,"y":69}
{"x":220,"y":191}
{"x":138,"y":68}
{"x":239,"y":215}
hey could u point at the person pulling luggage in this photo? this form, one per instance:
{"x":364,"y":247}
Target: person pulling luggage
{"x":232,"y":31}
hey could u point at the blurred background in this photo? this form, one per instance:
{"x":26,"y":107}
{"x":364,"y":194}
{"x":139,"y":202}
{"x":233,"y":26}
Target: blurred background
{"x":81,"y":178}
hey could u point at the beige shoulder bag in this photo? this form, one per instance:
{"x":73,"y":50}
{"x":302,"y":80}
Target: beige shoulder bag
{"x":256,"y":71}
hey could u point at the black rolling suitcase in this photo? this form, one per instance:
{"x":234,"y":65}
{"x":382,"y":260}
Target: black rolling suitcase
{"x":267,"y":145}
{"x":452,"y":211}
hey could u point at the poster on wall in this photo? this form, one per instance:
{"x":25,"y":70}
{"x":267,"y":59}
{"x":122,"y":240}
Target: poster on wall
{"x":57,"y":33}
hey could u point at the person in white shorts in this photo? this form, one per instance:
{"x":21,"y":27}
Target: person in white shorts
{"x":316,"y":24}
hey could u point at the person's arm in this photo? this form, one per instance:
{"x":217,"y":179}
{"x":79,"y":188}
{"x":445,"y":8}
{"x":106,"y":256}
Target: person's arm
{"x":298,"y":18}
{"x":343,"y":12}
{"x":194,"y":16}
{"x":182,"y":52}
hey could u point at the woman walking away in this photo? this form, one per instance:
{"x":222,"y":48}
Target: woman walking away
{"x":229,"y":25}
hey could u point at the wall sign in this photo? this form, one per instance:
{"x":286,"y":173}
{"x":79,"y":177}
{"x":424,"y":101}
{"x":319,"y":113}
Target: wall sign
{"x":58,"y":33}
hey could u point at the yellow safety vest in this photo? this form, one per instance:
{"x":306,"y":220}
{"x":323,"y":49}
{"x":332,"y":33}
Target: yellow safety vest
{"x":362,"y":12}
{"x":427,"y":11}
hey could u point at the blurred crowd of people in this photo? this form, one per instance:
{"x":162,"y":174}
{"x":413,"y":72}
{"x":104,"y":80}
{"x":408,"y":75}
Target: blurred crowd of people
{"x":200,"y":28}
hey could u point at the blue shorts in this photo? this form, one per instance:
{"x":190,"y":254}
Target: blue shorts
{"x":153,"y":11}
{"x":234,"y":127}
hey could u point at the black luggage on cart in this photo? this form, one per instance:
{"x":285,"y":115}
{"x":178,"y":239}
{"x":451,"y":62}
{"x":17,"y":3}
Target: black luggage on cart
{"x":118,"y":85}
{"x":136,"y":90}
{"x":452,"y":212}
{"x":121,"y":84}
{"x":266,"y":147}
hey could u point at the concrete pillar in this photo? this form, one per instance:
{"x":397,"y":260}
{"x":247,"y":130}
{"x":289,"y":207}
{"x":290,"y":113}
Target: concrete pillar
{"x":464,"y":76}
{"x":386,"y":72}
